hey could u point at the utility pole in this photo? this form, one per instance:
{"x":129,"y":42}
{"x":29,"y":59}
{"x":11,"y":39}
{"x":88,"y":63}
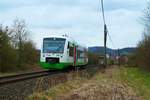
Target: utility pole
{"x":105,"y":43}
{"x":105,"y":35}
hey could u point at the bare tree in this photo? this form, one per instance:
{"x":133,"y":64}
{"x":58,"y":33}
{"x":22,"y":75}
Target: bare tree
{"x":17,"y":52}
{"x":19,"y":37}
{"x":146,"y":21}
{"x":143,"y":50}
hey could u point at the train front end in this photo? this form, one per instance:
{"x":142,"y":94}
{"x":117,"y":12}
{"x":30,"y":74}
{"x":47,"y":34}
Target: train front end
{"x":53,"y":53}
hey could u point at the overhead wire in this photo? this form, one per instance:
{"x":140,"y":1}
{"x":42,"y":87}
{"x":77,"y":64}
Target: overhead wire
{"x":109,"y":36}
{"x":103,"y":14}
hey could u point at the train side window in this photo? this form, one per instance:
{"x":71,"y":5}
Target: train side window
{"x":71,"y":49}
{"x":78,"y":54}
{"x":81,"y":54}
{"x":85,"y":53}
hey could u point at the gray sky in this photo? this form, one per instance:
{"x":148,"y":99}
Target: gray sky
{"x":80,"y":19}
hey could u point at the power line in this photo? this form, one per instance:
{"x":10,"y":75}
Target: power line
{"x":111,"y":40}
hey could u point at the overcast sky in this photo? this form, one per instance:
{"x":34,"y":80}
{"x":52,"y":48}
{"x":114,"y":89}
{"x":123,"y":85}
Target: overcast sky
{"x":80,"y":19}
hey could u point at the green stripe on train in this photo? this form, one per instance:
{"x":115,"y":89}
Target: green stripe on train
{"x":58,"y":65}
{"x":55,"y":65}
{"x":80,"y":63}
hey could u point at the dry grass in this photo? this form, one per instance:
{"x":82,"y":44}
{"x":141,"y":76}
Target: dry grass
{"x":60,"y":89}
{"x":115,"y":83}
{"x":6,"y":74}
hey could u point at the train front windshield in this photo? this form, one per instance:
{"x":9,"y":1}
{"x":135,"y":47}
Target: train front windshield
{"x":53,"y":45}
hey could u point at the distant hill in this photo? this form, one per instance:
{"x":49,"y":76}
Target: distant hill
{"x":113,"y":52}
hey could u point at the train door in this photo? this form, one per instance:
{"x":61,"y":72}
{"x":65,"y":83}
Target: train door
{"x":75,"y":56}
{"x":71,"y":52}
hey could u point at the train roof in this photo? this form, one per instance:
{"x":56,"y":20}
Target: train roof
{"x":65,"y":37}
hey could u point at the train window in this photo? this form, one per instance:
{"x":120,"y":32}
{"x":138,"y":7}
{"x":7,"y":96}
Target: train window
{"x":80,"y":54}
{"x":71,"y":49}
{"x":53,"y":45}
{"x":85,"y":53}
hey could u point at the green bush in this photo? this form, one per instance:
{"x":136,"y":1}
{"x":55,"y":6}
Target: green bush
{"x":7,"y":53}
{"x":17,"y":52}
{"x":92,"y":58}
{"x":143,"y":53}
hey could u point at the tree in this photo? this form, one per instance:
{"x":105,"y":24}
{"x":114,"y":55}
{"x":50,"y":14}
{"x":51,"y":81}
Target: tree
{"x":7,"y":53}
{"x":143,"y":53}
{"x":30,"y":54}
{"x":19,"y":37}
{"x":17,"y":51}
{"x":93,"y":58}
{"x":27,"y":53}
{"x":143,"y":50}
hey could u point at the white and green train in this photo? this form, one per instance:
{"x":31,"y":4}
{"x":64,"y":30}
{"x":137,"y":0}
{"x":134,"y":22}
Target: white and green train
{"x":59,"y":52}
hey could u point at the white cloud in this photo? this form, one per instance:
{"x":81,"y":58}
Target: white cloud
{"x":124,"y":27}
{"x":79,"y":18}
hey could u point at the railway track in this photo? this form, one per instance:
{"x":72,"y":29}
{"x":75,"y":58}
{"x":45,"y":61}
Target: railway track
{"x":25,"y":76}
{"x":18,"y":87}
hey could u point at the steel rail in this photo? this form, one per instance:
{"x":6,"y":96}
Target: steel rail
{"x":21,"y":74}
{"x":25,"y":76}
{"x":31,"y":75}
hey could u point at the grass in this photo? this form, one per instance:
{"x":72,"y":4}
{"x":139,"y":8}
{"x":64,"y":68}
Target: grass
{"x":137,"y":79}
{"x":11,"y":73}
{"x":58,"y":90}
{"x":6,"y":74}
{"x":28,"y":69}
